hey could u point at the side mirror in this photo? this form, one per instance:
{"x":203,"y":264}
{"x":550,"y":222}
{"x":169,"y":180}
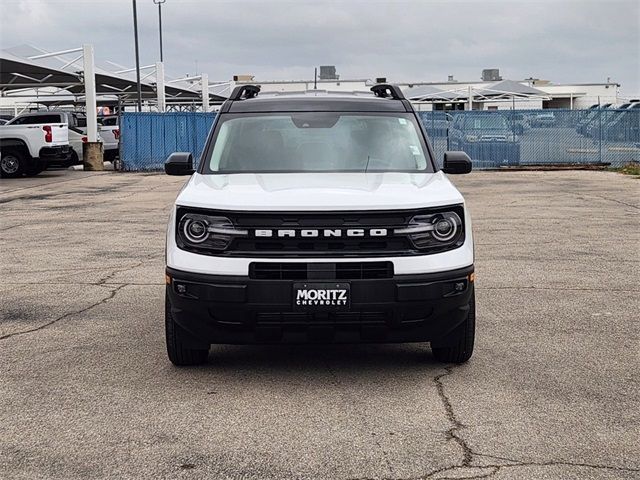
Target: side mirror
{"x":456,"y":162}
{"x":179,"y":163}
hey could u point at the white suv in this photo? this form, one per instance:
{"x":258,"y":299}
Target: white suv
{"x":319,"y":217}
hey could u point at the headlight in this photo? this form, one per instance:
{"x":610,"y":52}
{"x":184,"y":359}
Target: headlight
{"x":437,"y":231}
{"x":195,"y":230}
{"x":198,"y":232}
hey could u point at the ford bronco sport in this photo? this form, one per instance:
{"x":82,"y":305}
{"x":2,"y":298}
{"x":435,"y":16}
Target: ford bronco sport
{"x":318,"y":217}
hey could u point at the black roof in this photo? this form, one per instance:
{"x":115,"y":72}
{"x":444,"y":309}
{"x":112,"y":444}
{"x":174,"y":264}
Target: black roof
{"x":316,"y":102}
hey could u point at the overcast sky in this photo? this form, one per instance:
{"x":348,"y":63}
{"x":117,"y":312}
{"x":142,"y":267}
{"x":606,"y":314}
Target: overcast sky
{"x":562,"y":41}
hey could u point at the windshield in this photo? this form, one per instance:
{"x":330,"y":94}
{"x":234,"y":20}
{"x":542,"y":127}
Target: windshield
{"x":317,"y":142}
{"x":493,"y":122}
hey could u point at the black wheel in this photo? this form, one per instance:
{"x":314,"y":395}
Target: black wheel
{"x":179,"y":354}
{"x":12,"y":163}
{"x":460,"y":340}
{"x":75,"y":160}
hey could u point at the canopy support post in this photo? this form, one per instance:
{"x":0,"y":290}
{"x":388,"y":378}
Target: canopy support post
{"x":204,"y":79}
{"x":91,"y":109}
{"x":162,"y":103}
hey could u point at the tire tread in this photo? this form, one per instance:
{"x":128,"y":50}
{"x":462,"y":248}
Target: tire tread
{"x":180,"y":355}
{"x":462,"y":347}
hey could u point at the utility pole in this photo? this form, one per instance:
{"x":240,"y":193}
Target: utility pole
{"x":135,"y":34}
{"x":159,"y":3}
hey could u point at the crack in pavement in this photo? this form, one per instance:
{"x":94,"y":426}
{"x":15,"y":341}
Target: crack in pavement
{"x":13,"y":226}
{"x":580,"y":194}
{"x":102,"y":282}
{"x":46,"y":184}
{"x":452,"y":433}
{"x":494,"y":469}
{"x":114,"y":272}
{"x":468,"y":453}
{"x":111,"y":295}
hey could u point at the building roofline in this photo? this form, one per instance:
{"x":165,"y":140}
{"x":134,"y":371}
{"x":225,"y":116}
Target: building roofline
{"x":403,"y":83}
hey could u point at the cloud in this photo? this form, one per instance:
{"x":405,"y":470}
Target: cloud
{"x":563,"y":41}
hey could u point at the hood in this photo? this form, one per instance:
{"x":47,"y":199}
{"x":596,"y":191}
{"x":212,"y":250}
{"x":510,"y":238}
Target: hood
{"x":319,"y":191}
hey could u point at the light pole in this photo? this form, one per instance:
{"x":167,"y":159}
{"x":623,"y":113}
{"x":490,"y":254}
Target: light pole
{"x":135,"y":34}
{"x":159,"y":3}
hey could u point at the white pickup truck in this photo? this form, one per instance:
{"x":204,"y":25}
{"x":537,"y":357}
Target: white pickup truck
{"x":29,"y":148}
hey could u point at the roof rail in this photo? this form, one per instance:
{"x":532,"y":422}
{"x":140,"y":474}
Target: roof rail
{"x":244,"y":92}
{"x":386,"y":90}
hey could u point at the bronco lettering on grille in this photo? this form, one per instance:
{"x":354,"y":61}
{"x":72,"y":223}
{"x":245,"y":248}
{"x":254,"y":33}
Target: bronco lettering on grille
{"x":326,"y":233}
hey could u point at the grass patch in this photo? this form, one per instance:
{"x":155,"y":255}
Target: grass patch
{"x":631,"y":168}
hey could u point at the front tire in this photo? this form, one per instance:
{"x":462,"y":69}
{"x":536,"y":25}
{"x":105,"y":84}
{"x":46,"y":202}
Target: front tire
{"x":12,"y":163}
{"x":460,"y":341}
{"x":179,"y":353}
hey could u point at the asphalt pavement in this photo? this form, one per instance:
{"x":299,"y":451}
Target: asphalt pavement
{"x":552,"y":391}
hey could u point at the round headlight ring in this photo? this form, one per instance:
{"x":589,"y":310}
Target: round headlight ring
{"x":445,"y":227}
{"x":195,"y":230}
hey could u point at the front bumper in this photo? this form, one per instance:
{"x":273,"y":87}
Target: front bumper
{"x":238,"y":310}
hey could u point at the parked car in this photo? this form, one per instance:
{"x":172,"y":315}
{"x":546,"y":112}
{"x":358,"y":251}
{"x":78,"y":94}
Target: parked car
{"x":487,"y":137}
{"x":613,"y":116}
{"x":520,"y":122}
{"x":32,"y":145}
{"x":318,"y":219}
{"x":623,"y":125}
{"x":110,"y":133}
{"x":541,"y":120}
{"x":596,"y":111}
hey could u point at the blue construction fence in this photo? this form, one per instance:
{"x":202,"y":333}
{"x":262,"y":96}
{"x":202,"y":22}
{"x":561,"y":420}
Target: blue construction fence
{"x":147,"y":138}
{"x":493,"y":139}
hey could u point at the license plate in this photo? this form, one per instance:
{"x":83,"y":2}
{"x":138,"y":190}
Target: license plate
{"x":321,"y":296}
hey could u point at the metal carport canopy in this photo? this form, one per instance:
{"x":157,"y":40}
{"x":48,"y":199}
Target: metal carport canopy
{"x":20,"y":73}
{"x":17,"y":73}
{"x":505,"y":89}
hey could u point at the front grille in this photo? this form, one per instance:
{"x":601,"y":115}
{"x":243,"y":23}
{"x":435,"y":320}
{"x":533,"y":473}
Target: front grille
{"x":320,"y":271}
{"x":334,"y":318}
{"x":319,"y":246}
{"x":323,"y":242}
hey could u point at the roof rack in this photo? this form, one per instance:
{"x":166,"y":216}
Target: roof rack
{"x":244,"y":92}
{"x":386,"y":90}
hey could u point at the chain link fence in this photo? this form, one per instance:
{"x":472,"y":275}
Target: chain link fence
{"x":493,"y":139}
